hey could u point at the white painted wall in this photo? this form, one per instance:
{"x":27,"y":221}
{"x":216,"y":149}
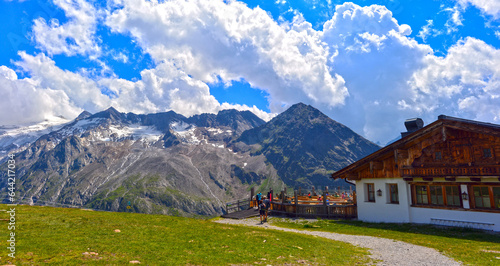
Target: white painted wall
{"x":424,"y":216}
{"x":383,"y":211}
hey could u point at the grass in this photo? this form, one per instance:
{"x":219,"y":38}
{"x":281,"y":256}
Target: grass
{"x":64,"y":236}
{"x":472,"y":247}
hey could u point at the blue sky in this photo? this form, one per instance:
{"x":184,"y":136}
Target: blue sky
{"x":367,"y":64}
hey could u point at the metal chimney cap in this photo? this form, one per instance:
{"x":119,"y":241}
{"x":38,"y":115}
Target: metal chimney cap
{"x":414,"y":124}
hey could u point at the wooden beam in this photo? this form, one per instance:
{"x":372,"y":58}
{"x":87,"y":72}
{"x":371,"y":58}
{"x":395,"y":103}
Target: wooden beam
{"x":428,"y":179}
{"x":408,"y":179}
{"x":352,"y":176}
{"x":400,"y":154}
{"x":475,"y":179}
{"x":453,"y":179}
{"x":374,"y":165}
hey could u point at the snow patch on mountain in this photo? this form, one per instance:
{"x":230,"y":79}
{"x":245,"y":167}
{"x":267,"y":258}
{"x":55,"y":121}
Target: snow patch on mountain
{"x":80,"y":127}
{"x":15,"y":138}
{"x":148,"y":134}
{"x":186,"y":132}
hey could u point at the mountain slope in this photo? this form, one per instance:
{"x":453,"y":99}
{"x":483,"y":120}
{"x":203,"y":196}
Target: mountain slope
{"x":167,"y":163}
{"x":305,"y":146}
{"x":161,"y":163}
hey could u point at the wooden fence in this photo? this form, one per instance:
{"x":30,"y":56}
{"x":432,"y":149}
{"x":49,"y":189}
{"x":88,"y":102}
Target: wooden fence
{"x":325,"y":206}
{"x":238,"y":205}
{"x":314,"y":211}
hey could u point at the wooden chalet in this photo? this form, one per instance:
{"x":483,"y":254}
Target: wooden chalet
{"x":446,"y":173}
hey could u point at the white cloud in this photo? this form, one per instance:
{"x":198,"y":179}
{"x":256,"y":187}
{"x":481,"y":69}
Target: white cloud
{"x":376,"y":58}
{"x":465,"y":83}
{"x":391,"y":77}
{"x":82,"y":91}
{"x":490,"y":7}
{"x":428,"y":30}
{"x":212,"y":39}
{"x":455,"y":19}
{"x":52,"y":91}
{"x":362,"y":69}
{"x":76,"y":36}
{"x":23,"y":101}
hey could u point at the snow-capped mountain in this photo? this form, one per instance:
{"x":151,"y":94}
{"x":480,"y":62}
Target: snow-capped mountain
{"x":167,"y":163}
{"x":16,"y":138}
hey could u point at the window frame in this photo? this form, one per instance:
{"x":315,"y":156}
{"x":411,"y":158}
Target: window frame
{"x":442,"y":192}
{"x":370,"y":192}
{"x":491,"y":196}
{"x":393,"y":187}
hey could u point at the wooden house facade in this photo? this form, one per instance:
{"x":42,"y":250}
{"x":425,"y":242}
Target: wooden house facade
{"x":446,"y":173}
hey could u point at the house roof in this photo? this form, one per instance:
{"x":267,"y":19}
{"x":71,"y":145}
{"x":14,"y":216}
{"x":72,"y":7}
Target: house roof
{"x":442,"y":122}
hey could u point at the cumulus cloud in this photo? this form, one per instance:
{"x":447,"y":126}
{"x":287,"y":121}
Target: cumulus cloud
{"x":466,"y":82}
{"x":490,"y":7}
{"x":52,"y":91}
{"x":23,"y":101}
{"x":362,"y":69}
{"x":376,"y":59}
{"x":76,"y":36}
{"x":212,"y":40}
{"x":82,"y":91}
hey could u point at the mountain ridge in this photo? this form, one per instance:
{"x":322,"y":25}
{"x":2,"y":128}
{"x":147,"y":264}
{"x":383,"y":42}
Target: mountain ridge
{"x":167,"y":163}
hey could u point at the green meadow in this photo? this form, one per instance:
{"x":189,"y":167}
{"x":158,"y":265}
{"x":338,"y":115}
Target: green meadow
{"x":66,"y":236}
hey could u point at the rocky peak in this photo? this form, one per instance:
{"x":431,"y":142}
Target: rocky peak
{"x":111,"y":113}
{"x":83,"y":115}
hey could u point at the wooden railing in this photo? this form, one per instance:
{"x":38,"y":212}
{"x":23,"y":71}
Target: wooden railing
{"x":451,"y":171}
{"x":238,"y":205}
{"x":314,"y":211}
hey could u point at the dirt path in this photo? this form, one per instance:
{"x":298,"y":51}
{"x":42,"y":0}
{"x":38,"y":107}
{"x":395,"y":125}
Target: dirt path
{"x":387,"y":251}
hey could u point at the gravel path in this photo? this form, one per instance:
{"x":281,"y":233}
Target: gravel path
{"x":387,"y":251}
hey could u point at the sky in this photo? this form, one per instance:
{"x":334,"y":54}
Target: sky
{"x":366,"y":64}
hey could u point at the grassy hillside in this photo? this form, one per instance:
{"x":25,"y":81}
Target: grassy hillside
{"x":472,"y":247}
{"x":62,"y":236}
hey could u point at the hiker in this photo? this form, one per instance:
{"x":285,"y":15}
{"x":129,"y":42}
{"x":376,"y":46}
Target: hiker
{"x":262,"y":211}
{"x":268,"y":206}
{"x":343,"y":195}
{"x":258,"y":198}
{"x":309,"y":195}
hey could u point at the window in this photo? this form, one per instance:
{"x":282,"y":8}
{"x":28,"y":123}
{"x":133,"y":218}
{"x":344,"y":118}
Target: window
{"x":496,"y":197}
{"x":393,"y":193}
{"x":481,"y":197}
{"x":370,"y":189}
{"x":453,"y":196}
{"x":486,"y":197}
{"x":421,"y":192}
{"x":487,"y":153}
{"x":438,"y":156}
{"x":436,"y":194}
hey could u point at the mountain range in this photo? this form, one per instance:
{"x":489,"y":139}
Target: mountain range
{"x":171,"y":164}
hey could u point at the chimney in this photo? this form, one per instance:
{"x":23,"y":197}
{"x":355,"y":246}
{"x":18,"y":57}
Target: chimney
{"x":412,"y":125}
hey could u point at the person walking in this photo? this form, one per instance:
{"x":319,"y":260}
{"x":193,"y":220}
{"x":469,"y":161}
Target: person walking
{"x":262,"y":211}
{"x":268,"y":206}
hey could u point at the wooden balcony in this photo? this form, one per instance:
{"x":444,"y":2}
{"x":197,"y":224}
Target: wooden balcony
{"x":451,"y":171}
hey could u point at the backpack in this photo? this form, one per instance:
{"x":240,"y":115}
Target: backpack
{"x":268,"y":203}
{"x":263,"y":206}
